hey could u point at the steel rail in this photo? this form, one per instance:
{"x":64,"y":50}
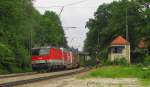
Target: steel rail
{"x":22,"y":82}
{"x":23,"y":74}
{"x":15,"y":75}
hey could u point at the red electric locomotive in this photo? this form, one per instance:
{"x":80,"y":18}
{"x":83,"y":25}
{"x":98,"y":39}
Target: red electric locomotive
{"x":50,"y":58}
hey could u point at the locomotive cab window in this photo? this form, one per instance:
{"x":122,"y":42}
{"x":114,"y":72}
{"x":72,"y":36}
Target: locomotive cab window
{"x":35,"y":52}
{"x":44,"y":51}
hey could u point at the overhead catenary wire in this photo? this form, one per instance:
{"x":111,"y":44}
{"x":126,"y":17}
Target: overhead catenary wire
{"x":74,"y":3}
{"x":61,"y":7}
{"x":42,"y":7}
{"x":61,"y":10}
{"x":67,"y":5}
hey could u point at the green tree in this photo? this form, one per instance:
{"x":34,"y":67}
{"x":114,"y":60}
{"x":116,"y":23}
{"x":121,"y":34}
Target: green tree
{"x":52,"y":32}
{"x":22,"y":27}
{"x":7,"y":58}
{"x":110,"y":21}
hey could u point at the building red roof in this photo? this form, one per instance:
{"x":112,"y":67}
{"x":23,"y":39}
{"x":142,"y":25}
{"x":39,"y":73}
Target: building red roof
{"x":119,"y":41}
{"x":142,"y":43}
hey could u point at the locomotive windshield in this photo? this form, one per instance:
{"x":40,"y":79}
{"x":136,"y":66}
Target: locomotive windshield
{"x":42,"y":51}
{"x":35,"y":52}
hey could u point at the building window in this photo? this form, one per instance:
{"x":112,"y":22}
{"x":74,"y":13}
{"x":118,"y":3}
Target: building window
{"x":118,"y":49}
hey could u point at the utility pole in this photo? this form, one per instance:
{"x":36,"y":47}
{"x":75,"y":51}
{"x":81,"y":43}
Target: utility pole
{"x":71,"y":41}
{"x":127,"y":30}
{"x":98,"y":39}
{"x":30,"y":42}
{"x":67,"y":28}
{"x":97,"y":49}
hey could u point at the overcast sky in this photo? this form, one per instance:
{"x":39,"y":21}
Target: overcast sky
{"x":75,"y":15}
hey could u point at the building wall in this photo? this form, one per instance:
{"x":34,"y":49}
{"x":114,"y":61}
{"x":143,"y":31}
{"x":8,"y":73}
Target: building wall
{"x":125,"y":53}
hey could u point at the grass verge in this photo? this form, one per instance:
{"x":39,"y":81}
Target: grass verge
{"x":121,"y":72}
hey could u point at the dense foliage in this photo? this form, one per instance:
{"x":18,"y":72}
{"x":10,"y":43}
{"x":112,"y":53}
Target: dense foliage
{"x":49,"y":32}
{"x":110,"y":20}
{"x":21,"y":28}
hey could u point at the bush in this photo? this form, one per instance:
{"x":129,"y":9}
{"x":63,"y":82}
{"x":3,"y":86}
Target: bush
{"x":22,"y":58}
{"x":103,"y":55}
{"x":106,"y":62}
{"x":146,"y":75}
{"x":117,"y":61}
{"x":147,"y":61}
{"x":139,"y":65}
{"x":138,"y":56}
{"x":120,"y":61}
{"x":6,"y":58}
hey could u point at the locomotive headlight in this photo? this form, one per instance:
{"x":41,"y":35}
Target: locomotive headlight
{"x":33,"y":62}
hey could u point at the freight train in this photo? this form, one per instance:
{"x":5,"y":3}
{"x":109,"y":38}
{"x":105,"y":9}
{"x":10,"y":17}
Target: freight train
{"x":51,"y":58}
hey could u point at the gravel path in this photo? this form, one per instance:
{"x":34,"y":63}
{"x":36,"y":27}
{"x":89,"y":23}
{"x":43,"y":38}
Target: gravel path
{"x":72,"y":81}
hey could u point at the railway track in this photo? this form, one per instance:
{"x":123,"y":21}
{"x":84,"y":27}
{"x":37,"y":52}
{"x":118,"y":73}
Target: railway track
{"x":15,"y":75}
{"x":20,"y":74}
{"x":50,"y":76}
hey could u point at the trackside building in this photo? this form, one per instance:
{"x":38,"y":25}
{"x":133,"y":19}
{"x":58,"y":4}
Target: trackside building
{"x":119,"y":48}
